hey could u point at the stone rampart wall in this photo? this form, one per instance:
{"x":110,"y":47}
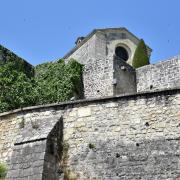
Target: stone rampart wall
{"x":125,"y":137}
{"x":163,"y":75}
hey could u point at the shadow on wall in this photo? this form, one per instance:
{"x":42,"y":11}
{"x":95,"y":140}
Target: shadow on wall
{"x":113,"y":159}
{"x":53,"y":167}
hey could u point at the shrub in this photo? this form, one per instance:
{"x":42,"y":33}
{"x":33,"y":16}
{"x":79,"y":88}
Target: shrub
{"x":140,"y":56}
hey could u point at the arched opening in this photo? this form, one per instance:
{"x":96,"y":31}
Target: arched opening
{"x":122,"y":53}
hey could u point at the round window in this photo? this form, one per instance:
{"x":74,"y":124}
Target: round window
{"x":122,"y":53}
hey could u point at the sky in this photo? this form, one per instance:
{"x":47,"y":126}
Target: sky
{"x":45,"y":30}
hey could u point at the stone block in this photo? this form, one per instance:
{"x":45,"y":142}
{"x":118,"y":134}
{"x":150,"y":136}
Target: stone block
{"x":84,"y":112}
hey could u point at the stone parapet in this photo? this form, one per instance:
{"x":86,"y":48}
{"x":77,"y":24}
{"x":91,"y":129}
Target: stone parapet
{"x":165,"y":74}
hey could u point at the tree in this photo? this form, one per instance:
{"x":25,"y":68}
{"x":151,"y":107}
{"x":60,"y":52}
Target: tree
{"x":16,"y":89}
{"x":140,"y":56}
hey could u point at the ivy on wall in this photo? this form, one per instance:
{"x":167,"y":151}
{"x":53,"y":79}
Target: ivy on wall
{"x":53,"y":82}
{"x":58,"y":81}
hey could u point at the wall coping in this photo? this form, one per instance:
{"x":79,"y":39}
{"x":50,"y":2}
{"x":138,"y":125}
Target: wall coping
{"x":160,"y":62}
{"x":93,"y":100}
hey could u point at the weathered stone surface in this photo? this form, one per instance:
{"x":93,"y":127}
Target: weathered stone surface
{"x":33,"y":155}
{"x":84,"y":111}
{"x":106,"y":75}
{"x":26,"y":162}
{"x":103,"y":74}
{"x":125,"y":77}
{"x":128,"y":137}
{"x":36,"y":128}
{"x":163,"y":75}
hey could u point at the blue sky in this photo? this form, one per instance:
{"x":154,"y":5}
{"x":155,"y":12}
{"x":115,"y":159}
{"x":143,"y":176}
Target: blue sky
{"x":44,"y":30}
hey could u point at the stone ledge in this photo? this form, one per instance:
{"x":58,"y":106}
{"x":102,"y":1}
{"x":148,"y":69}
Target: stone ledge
{"x":93,"y":100}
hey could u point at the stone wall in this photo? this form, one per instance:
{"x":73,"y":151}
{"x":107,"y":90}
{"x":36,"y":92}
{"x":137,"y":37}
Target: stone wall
{"x":126,"y":137}
{"x":29,"y":145}
{"x":124,"y":77}
{"x":123,"y":39}
{"x":27,"y":161}
{"x":97,"y":54}
{"x":165,"y":74}
{"x":98,"y":70}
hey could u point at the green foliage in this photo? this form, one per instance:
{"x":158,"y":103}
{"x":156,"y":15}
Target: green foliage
{"x":3,"y":170}
{"x":140,"y":56}
{"x":53,"y":82}
{"x":15,"y":88}
{"x":58,"y":81}
{"x":19,"y":63}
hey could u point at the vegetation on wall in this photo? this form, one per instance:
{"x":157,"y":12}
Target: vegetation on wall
{"x":3,"y":170}
{"x":58,"y":81}
{"x":140,"y":56}
{"x":53,"y":82}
